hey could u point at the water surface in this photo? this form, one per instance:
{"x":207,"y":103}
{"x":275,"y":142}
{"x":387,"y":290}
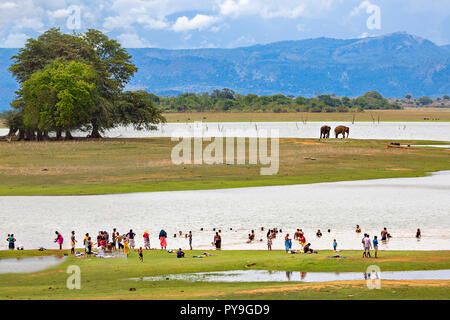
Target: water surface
{"x":29,"y":264}
{"x":289,"y":276}
{"x":402,"y":205}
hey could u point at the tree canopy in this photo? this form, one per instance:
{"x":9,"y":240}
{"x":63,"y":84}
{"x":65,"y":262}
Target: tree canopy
{"x":75,"y":82}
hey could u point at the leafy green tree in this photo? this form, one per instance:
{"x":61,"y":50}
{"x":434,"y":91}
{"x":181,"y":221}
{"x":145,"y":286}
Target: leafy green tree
{"x":60,"y":97}
{"x":425,"y":100}
{"x":136,"y":108}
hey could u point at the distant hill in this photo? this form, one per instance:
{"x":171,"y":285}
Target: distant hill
{"x":394,"y":65}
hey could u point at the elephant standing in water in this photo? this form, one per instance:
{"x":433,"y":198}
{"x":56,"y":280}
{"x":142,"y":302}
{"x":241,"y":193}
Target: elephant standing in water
{"x":341,"y":130}
{"x":325,"y":132}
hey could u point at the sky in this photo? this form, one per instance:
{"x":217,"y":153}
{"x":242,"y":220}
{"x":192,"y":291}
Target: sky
{"x":176,"y":24}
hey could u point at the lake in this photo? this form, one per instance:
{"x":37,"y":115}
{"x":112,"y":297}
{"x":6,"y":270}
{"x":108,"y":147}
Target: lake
{"x":402,"y":205}
{"x":439,"y":131}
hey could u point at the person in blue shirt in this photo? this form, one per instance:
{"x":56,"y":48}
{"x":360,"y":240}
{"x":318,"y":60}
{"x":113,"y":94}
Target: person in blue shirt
{"x":180,"y":253}
{"x":11,"y":241}
{"x":375,"y":245}
{"x":334,"y":245}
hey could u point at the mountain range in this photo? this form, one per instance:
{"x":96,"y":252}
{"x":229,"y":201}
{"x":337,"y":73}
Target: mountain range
{"x":394,"y":64}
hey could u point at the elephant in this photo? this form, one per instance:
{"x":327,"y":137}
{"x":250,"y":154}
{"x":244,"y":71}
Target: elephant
{"x":325,"y":132}
{"x":341,"y":130}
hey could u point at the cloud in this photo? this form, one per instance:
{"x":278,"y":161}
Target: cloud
{"x":60,"y":13}
{"x":363,"y":5}
{"x":14,"y":40}
{"x":199,"y":22}
{"x":269,"y":9}
{"x":132,"y":40}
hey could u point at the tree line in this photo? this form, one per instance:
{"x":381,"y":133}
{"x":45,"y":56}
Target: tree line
{"x":227,"y":100}
{"x":73,"y":82}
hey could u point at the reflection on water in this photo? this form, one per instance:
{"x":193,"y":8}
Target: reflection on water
{"x":286,"y":276}
{"x":402,"y":205}
{"x":28,"y":264}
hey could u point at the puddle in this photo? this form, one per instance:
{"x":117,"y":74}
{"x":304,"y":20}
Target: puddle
{"x":31,"y":264}
{"x":287,"y":276}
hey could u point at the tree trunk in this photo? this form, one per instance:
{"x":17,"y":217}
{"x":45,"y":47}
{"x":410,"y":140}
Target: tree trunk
{"x":68,"y":135}
{"x":12,"y":132}
{"x":95,"y":134}
{"x":45,"y":136}
{"x":21,"y":135}
{"x":39,"y":135}
{"x":58,"y":134}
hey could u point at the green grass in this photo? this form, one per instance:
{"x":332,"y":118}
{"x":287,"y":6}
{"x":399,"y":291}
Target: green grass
{"x":143,"y":165}
{"x":100,"y":277}
{"x":406,"y":115}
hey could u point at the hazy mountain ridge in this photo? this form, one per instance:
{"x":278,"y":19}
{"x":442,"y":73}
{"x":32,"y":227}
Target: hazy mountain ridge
{"x":394,"y":65}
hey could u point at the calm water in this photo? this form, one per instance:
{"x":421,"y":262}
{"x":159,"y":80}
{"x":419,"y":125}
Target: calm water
{"x":402,"y":205}
{"x":287,"y":276}
{"x":359,"y":130}
{"x":31,"y":264}
{"x":439,"y":131}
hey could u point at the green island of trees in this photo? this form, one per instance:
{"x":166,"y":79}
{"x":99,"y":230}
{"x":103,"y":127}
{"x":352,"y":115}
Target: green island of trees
{"x":227,"y":100}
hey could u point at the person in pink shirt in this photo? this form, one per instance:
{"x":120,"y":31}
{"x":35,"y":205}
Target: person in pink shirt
{"x":59,"y":239}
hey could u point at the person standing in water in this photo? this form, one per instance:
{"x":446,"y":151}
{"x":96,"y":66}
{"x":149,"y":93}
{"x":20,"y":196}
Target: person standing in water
{"x":11,"y":241}
{"x":72,"y":243}
{"x":59,"y":239}
{"x":269,"y":240}
{"x":218,"y":241}
{"x":418,"y":234}
{"x":162,"y":239}
{"x":190,"y":239}
{"x":384,"y":234}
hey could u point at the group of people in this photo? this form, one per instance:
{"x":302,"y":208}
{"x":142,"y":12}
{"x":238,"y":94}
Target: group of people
{"x":124,"y":242}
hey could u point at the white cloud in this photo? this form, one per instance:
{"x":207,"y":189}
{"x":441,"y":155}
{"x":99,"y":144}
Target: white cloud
{"x":14,"y":40}
{"x":8,"y":6}
{"x":199,"y":22}
{"x":363,"y":5}
{"x":269,"y":9}
{"x":132,"y":40}
{"x":60,"y":13}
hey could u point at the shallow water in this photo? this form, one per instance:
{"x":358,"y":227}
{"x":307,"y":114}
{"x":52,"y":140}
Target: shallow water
{"x":438,"y":131}
{"x":287,"y":276}
{"x":31,"y":264}
{"x":402,"y":205}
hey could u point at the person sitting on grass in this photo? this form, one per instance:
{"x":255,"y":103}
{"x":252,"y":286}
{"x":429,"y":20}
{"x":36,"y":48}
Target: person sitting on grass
{"x":307,"y":248}
{"x":180,"y":253}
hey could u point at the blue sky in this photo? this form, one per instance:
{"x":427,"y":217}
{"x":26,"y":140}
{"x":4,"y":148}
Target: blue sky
{"x":178,"y":24}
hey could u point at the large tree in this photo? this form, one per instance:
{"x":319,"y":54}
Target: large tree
{"x":60,"y":97}
{"x":111,"y":64}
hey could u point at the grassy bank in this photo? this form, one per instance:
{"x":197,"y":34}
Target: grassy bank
{"x":138,"y":165}
{"x":100,"y":277}
{"x":412,"y":114}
